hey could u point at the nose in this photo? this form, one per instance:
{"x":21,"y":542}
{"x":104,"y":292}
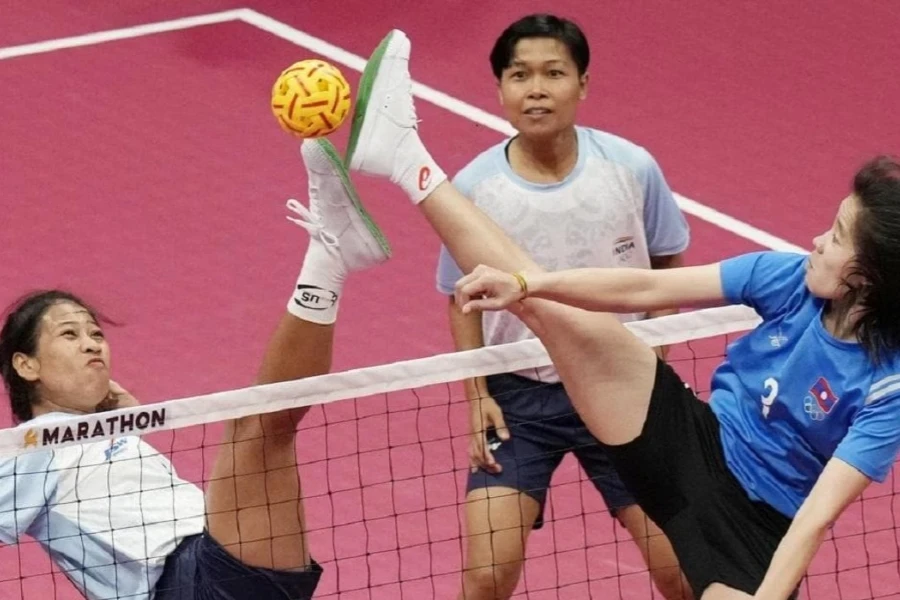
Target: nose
{"x":90,"y":344}
{"x":819,"y":243}
{"x":537,"y":88}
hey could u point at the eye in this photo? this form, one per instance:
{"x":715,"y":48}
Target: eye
{"x":834,"y":239}
{"x":556,"y":73}
{"x":69,"y":333}
{"x":517,"y":75}
{"x":99,"y":335}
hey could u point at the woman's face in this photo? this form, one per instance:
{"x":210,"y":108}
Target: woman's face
{"x":70,"y":366}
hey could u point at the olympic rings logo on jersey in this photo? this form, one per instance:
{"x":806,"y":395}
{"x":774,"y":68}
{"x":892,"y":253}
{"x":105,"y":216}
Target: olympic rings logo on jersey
{"x":820,"y":400}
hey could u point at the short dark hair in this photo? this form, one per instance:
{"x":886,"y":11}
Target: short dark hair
{"x":540,"y":26}
{"x":20,"y":334}
{"x":877,"y":241}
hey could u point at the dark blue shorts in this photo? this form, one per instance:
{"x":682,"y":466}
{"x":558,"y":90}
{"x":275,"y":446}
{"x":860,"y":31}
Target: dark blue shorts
{"x":543,"y":428}
{"x":201,"y":569}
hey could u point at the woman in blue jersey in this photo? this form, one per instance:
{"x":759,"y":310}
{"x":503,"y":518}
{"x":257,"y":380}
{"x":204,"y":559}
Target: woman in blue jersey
{"x":113,"y":514}
{"x":804,"y":412}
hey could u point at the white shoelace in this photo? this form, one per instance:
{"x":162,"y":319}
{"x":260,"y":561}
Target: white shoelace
{"x":311,"y":220}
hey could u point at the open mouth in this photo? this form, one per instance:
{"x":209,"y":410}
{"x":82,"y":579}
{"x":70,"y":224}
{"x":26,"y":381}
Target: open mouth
{"x":535,"y":112}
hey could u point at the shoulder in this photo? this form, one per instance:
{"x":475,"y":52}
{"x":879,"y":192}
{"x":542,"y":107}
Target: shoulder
{"x":768,"y":262}
{"x":885,"y":381}
{"x":28,"y":463}
{"x":773,"y":283}
{"x":484,"y":166}
{"x":618,"y":150}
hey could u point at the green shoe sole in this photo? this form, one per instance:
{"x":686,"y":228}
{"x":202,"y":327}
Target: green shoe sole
{"x":363,"y":93}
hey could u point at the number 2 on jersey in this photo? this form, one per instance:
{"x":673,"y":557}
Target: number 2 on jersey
{"x":771,"y":387}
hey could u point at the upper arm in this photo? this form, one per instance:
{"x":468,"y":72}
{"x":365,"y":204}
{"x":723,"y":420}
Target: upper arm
{"x":448,"y":272}
{"x":666,"y":228}
{"x":466,"y":328}
{"x":766,"y":281}
{"x":27,"y":486}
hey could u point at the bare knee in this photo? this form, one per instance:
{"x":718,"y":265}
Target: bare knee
{"x":494,"y":582}
{"x":269,"y":427}
{"x":499,"y":522}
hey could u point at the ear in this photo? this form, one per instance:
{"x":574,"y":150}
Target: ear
{"x":26,"y":366}
{"x":584,"y":85}
{"x":499,"y":94}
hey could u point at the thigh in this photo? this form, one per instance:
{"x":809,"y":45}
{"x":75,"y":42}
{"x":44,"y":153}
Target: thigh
{"x":499,"y":521}
{"x":253,"y":501}
{"x":606,"y":369}
{"x":201,"y":569}
{"x":534,"y":449}
{"x":528,"y":462}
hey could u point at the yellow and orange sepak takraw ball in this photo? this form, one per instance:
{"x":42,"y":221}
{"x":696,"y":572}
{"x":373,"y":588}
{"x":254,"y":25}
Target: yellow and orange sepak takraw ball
{"x":311,"y":98}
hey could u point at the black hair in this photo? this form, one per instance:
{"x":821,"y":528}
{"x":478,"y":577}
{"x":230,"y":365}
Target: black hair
{"x":20,"y":334}
{"x":876,"y":238}
{"x":540,"y":26}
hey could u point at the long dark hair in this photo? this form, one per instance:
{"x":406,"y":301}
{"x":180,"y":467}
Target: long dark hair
{"x":876,"y":237}
{"x":20,"y":334}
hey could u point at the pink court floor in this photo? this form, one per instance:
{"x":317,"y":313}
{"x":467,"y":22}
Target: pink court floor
{"x":146,"y":173}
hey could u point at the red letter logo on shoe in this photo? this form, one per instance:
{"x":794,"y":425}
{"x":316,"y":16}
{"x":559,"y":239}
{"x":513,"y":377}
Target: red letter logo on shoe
{"x":424,"y":178}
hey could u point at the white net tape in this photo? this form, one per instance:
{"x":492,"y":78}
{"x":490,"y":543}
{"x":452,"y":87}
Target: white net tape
{"x":357,"y":383}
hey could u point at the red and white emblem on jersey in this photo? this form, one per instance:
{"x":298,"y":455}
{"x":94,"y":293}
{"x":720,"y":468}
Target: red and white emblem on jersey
{"x":821,"y":400}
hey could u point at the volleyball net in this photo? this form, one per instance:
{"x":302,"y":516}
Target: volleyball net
{"x":383,"y":466}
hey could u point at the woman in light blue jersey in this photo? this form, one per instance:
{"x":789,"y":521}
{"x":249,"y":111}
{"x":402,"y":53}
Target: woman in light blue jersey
{"x":111,"y":511}
{"x":804,"y":412}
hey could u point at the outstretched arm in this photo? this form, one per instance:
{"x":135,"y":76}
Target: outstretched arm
{"x":671,"y":261}
{"x":617,"y":290}
{"x":837,"y":486}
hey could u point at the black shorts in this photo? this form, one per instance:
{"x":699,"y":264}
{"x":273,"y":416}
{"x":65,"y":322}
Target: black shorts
{"x":676,"y":469}
{"x":201,"y":569}
{"x":543,"y":428}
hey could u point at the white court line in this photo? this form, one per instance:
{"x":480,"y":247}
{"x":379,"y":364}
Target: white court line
{"x":482,"y":117}
{"x":125,"y":33}
{"x":348,"y":59}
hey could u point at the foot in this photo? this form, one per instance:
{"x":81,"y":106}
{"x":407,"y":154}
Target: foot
{"x":384,"y":140}
{"x":335,"y":216}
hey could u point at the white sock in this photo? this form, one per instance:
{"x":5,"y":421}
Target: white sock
{"x":415,"y":171}
{"x":320,"y":283}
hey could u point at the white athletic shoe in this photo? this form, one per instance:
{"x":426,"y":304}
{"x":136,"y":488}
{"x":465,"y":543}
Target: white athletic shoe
{"x":335,"y":215}
{"x":384,"y":116}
